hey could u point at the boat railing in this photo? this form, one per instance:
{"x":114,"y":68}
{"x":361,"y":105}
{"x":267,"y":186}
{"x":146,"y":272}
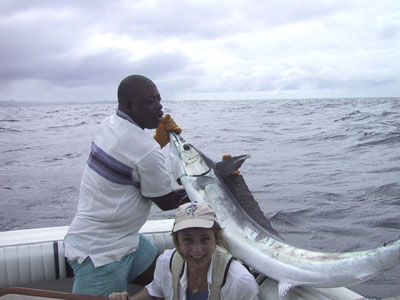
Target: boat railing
{"x":19,"y":292}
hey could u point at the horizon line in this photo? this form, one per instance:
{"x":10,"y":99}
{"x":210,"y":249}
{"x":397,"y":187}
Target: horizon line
{"x":25,"y":102}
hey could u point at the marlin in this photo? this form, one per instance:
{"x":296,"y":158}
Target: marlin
{"x":250,"y":236}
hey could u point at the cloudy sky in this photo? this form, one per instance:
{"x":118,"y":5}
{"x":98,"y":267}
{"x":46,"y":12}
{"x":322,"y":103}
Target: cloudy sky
{"x":80,"y":50}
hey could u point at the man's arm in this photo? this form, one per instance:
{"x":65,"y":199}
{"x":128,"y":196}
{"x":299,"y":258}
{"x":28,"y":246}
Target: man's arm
{"x":171,"y":200}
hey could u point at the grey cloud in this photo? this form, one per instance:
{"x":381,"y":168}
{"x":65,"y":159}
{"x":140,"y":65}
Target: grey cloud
{"x":168,"y":18}
{"x":42,"y":49}
{"x":353,"y":83}
{"x":46,"y":48}
{"x":29,"y":45}
{"x":11,"y":7}
{"x":183,"y":19}
{"x":389,"y":28}
{"x":265,"y":12}
{"x":100,"y":68}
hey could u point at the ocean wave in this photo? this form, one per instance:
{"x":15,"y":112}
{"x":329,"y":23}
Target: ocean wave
{"x":10,"y":130}
{"x":67,"y":125}
{"x":389,"y":139}
{"x":10,"y":120}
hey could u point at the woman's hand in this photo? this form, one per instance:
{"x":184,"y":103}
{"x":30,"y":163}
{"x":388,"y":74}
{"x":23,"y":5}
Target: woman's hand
{"x":119,"y":296}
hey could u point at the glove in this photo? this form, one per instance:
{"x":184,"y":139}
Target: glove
{"x":167,"y":124}
{"x":227,"y":156}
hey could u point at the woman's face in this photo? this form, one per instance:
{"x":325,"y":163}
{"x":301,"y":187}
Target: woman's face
{"x":196,"y":245}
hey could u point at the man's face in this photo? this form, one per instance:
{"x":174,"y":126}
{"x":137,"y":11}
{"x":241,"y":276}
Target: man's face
{"x":146,"y":110}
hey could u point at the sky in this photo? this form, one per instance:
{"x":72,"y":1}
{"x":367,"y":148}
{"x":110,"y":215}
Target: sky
{"x":199,"y":50}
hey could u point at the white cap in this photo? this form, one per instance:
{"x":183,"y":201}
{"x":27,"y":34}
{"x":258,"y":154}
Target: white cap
{"x":194,"y":215}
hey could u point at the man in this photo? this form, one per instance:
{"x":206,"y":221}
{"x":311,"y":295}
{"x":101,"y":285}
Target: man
{"x":125,"y":174}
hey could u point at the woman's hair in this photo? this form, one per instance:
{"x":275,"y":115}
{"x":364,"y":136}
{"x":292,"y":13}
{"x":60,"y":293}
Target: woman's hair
{"x":217,"y":229}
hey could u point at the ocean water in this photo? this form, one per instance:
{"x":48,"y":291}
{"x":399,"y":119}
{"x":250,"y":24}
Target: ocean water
{"x":326,"y":172}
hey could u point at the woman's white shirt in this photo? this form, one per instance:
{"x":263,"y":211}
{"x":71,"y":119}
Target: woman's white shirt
{"x":239,"y":285}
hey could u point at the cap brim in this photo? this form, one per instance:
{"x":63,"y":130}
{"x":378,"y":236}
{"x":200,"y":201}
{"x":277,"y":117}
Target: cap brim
{"x":192,"y":223}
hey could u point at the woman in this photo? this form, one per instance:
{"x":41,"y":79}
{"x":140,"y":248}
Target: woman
{"x":199,"y":269}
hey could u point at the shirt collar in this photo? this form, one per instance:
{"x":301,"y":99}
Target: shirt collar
{"x":123,"y":115}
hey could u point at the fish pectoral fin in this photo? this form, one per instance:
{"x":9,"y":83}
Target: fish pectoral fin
{"x":367,"y":276}
{"x":202,"y":181}
{"x":283,"y":289}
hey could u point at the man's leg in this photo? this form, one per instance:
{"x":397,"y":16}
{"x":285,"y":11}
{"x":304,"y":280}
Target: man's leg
{"x":144,"y":262}
{"x":147,"y":276}
{"x":100,"y":281}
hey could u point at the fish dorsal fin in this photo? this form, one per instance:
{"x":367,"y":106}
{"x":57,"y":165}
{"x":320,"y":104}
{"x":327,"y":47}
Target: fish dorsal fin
{"x":241,"y":192}
{"x":228,"y":166}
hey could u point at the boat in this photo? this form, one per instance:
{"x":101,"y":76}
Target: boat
{"x":32,"y":264}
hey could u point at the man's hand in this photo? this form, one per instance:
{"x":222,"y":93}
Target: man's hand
{"x":171,"y":200}
{"x":227,"y":156}
{"x":162,"y":132}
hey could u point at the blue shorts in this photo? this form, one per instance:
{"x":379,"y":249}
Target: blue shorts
{"x":115,"y":276}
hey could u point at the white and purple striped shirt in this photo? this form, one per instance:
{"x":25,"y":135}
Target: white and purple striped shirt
{"x":125,"y":166}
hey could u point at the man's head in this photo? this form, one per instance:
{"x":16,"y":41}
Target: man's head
{"x":139,"y":98}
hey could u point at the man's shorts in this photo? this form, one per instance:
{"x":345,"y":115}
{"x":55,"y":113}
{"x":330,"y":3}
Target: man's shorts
{"x":113,"y":277}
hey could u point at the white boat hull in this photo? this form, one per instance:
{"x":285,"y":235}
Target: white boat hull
{"x":35,"y":258}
